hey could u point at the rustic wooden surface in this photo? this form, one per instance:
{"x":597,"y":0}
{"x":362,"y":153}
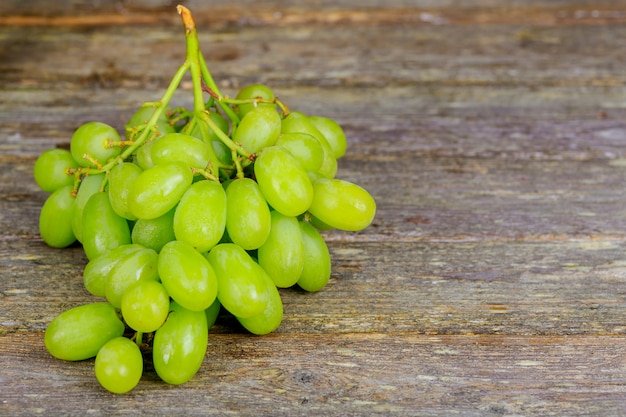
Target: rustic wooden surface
{"x":492,"y":135}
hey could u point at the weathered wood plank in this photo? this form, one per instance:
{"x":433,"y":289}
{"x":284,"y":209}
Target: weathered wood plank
{"x":482,"y":287}
{"x":491,"y":135}
{"x":373,"y":374}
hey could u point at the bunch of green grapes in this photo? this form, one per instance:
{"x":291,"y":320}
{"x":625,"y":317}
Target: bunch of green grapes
{"x":191,"y":212}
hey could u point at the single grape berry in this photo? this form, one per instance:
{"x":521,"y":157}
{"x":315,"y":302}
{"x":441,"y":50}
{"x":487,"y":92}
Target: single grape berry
{"x":51,"y":169}
{"x":119,"y":365}
{"x":94,"y":143}
{"x":55,"y":219}
{"x":80,"y":332}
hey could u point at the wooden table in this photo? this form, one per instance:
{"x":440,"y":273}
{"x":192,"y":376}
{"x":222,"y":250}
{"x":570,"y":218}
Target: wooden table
{"x":492,"y":136}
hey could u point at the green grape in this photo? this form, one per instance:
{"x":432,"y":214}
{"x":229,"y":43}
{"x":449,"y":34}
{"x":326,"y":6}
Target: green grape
{"x":254,"y":91}
{"x":212,"y":312}
{"x":298,"y":122}
{"x":119,"y":365}
{"x":222,"y":152}
{"x":329,"y":162}
{"x":272,"y":315}
{"x":143,"y":115}
{"x":158,"y":189}
{"x":333,"y":133}
{"x":284,"y":183}
{"x":145,"y":305}
{"x":305,"y":148}
{"x":143,"y":155}
{"x":187,"y":276}
{"x":50,"y":170}
{"x":140,"y":265}
{"x":55,"y":219}
{"x":258,"y":129}
{"x":219,"y":121}
{"x":178,"y":147}
{"x":282,"y":254}
{"x":180,"y":345}
{"x":121,"y":178}
{"x":90,"y":185}
{"x":93,"y":140}
{"x":342,"y":205}
{"x":319,"y":225}
{"x":102,"y":228}
{"x":80,"y":332}
{"x":247,"y":214}
{"x":200,"y":217}
{"x":154,"y":233}
{"x":316,"y":270}
{"x":96,"y":271}
{"x":240,"y":288}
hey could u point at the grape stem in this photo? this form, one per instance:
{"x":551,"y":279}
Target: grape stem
{"x":202,"y":81}
{"x":193,"y":58}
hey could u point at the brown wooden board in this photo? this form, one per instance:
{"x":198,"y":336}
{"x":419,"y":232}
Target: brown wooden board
{"x":492,"y":136}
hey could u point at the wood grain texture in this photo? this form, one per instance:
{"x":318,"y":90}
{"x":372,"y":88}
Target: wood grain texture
{"x":492,"y":135}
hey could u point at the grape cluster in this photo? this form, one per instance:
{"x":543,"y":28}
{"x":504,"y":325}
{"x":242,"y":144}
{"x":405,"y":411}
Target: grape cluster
{"x":189,"y":212}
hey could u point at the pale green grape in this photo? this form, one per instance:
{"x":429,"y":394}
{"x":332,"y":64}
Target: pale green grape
{"x":317,"y":267}
{"x":119,"y":365}
{"x":158,"y":189}
{"x":80,"y":332}
{"x":333,"y":133}
{"x":200,"y":217}
{"x":55,"y":219}
{"x":254,"y":91}
{"x":143,"y":155}
{"x":121,"y":179}
{"x":96,"y":271}
{"x":136,"y":266}
{"x":240,"y":288}
{"x":305,"y":148}
{"x":342,"y":204}
{"x":154,"y":233}
{"x":143,"y":115}
{"x":187,"y":276}
{"x":180,"y":345}
{"x":272,"y":315}
{"x":88,"y":187}
{"x":282,"y":254}
{"x":102,"y":228}
{"x":298,"y":122}
{"x":94,"y":140}
{"x":145,"y":305}
{"x":284,"y":183}
{"x":178,"y":147}
{"x":50,"y":170}
{"x":247,"y":214}
{"x":258,"y":129}
{"x":212,"y":312}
